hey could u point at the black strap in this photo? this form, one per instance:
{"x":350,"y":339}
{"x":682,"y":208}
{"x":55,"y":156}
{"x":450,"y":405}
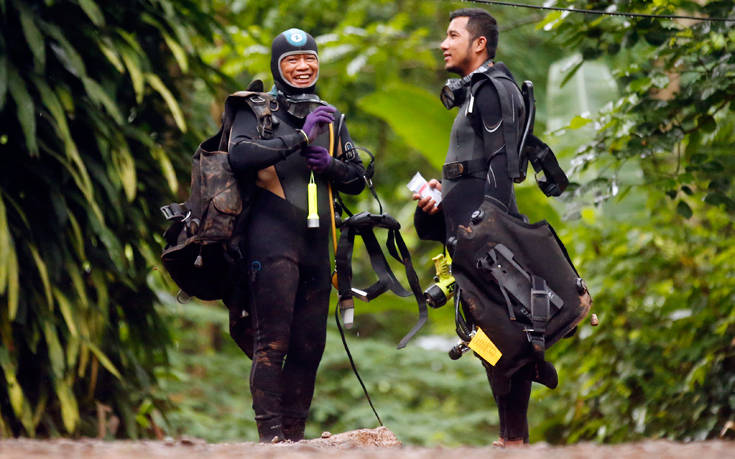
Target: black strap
{"x":362,"y":224}
{"x":540,"y":313}
{"x":510,"y":135}
{"x":471,"y":168}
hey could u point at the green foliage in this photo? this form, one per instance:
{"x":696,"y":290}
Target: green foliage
{"x":92,"y":97}
{"x":655,"y":237}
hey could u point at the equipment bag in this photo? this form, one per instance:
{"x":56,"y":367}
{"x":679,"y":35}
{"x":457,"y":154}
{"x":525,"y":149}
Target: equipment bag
{"x":201,"y":252}
{"x":518,"y":284}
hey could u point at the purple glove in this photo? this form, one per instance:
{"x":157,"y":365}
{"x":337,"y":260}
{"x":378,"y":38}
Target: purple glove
{"x":317,"y":158}
{"x":317,"y":121}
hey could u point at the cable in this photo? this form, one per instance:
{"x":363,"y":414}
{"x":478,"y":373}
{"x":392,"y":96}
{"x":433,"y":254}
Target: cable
{"x":600,"y":12}
{"x":352,"y":363}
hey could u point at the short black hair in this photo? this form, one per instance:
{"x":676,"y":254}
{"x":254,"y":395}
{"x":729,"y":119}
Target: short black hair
{"x":480,"y":24}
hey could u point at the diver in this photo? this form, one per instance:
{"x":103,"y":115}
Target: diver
{"x":477,"y":168}
{"x":285,"y":266}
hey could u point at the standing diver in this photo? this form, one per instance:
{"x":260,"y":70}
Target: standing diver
{"x":476,"y":168}
{"x":285,"y":266}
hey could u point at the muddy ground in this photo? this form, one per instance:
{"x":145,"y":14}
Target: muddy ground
{"x":358,"y":444}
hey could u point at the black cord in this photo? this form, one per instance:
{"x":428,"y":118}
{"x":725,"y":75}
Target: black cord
{"x":601,"y":12}
{"x":352,"y":363}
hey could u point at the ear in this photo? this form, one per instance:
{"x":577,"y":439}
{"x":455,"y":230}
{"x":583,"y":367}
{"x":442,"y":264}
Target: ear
{"x":480,"y":44}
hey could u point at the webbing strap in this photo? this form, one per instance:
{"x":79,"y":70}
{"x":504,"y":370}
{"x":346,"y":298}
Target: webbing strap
{"x":540,"y":313}
{"x":362,"y":224}
{"x":510,"y":135}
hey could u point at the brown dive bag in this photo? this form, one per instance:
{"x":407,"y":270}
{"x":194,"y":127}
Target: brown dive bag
{"x":517,"y":284}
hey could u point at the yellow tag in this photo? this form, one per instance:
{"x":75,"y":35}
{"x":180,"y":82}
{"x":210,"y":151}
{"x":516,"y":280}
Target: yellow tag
{"x":486,"y":349}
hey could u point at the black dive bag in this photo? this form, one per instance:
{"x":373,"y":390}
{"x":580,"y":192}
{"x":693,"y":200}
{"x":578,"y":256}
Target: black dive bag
{"x":201,"y":250}
{"x":518,"y":284}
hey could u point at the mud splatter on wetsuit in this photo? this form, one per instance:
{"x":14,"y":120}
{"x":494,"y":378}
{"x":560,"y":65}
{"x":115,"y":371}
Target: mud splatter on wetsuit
{"x":287,"y":269}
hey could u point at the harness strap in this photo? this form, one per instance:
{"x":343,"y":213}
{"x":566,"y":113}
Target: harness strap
{"x":540,"y":314}
{"x":510,"y":135}
{"x":471,"y":168}
{"x":362,"y":224}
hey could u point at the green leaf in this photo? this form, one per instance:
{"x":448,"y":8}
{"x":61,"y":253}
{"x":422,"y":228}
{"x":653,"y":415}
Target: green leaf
{"x":158,"y":85}
{"x":683,"y":209}
{"x":93,"y":11}
{"x":69,"y":407}
{"x":55,"y":352}
{"x":43,"y":274}
{"x":578,"y":122}
{"x":125,"y":166}
{"x":67,"y":311}
{"x":103,"y":359}
{"x":159,"y":154}
{"x":33,"y":37}
{"x":101,"y":98}
{"x":416,"y":115}
{"x":65,"y":51}
{"x":136,"y":75}
{"x":18,"y":400}
{"x":8,"y":264}
{"x":25,"y":109}
{"x":107,"y":49}
{"x":178,"y":52}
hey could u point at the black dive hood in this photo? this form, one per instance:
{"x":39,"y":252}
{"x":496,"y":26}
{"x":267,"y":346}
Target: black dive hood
{"x":291,"y":41}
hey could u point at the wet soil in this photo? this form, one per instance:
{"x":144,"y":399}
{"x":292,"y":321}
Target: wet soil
{"x":357,"y":444}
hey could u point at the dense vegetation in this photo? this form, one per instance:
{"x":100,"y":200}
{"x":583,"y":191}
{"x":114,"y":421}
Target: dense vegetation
{"x":102,"y":104}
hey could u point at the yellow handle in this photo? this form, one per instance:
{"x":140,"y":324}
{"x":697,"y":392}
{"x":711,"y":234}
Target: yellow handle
{"x":312,"y":220}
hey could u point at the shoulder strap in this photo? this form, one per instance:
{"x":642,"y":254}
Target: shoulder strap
{"x":510,"y":134}
{"x":262,"y":104}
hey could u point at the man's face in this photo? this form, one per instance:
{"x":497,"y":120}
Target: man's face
{"x":457,"y":46}
{"x":300,"y":70}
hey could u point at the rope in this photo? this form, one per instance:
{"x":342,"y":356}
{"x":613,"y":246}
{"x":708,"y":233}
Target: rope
{"x":601,"y":12}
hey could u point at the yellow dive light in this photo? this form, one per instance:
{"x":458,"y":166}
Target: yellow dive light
{"x":312,"y":220}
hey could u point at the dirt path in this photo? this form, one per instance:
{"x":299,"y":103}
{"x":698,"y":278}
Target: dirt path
{"x":357,"y":444}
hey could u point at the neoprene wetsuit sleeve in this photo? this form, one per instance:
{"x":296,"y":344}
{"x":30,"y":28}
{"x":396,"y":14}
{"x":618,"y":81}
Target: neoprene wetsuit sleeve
{"x":430,"y":227}
{"x":346,"y":171}
{"x":498,"y":183}
{"x":249,"y":152}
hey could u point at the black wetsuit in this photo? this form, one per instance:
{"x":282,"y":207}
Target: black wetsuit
{"x":479,"y":136}
{"x":286,"y":267}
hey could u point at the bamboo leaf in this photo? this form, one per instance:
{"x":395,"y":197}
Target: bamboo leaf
{"x":25,"y":109}
{"x":55,"y":351}
{"x":80,"y":181}
{"x":40,"y":406}
{"x":69,"y":407}
{"x":158,"y":85}
{"x":43,"y":274}
{"x":100,"y":97}
{"x":103,"y":359}
{"x":125,"y":165}
{"x":8,"y":264}
{"x":33,"y":36}
{"x":75,"y":236}
{"x":136,"y":75}
{"x":18,"y":400}
{"x":66,"y":311}
{"x":159,"y":154}
{"x":66,"y":53}
{"x":73,"y":346}
{"x":78,"y":283}
{"x":93,"y":11}
{"x":111,"y":54}
{"x":178,"y":52}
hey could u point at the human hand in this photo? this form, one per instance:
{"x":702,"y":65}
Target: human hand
{"x":317,"y":158}
{"x":317,"y":121}
{"x":427,"y":203}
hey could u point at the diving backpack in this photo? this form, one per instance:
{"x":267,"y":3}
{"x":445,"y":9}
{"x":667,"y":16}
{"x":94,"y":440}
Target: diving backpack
{"x":201,"y":243}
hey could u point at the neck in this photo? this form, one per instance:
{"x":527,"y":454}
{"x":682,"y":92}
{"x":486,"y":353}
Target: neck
{"x":477,"y":63}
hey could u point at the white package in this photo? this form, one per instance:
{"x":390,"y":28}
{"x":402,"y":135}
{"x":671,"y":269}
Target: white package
{"x":420,"y":186}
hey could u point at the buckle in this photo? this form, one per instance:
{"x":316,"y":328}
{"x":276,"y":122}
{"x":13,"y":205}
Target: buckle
{"x":453,"y":170}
